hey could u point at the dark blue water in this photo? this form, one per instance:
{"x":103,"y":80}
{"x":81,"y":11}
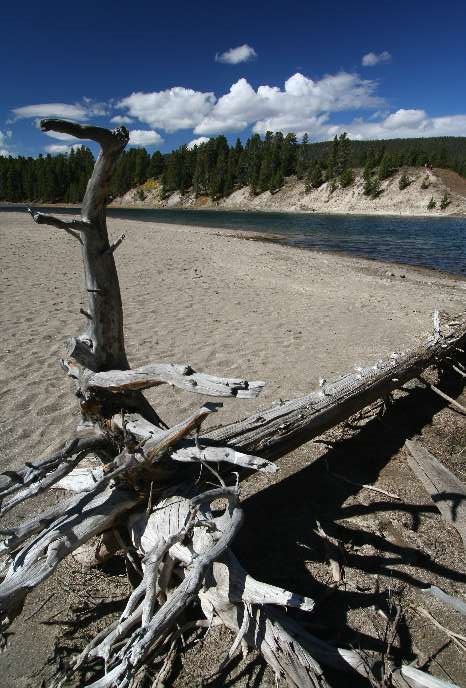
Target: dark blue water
{"x":438,"y":243}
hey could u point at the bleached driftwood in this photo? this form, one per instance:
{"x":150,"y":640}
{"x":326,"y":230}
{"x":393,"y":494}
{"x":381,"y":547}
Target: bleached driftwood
{"x":276,"y":431}
{"x":415,"y":678}
{"x":444,"y":488}
{"x":143,"y":486}
{"x":453,"y":602}
{"x":182,"y":376}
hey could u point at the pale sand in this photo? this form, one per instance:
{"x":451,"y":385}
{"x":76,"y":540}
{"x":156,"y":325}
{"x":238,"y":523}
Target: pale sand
{"x":225,"y":305}
{"x":200,"y":296}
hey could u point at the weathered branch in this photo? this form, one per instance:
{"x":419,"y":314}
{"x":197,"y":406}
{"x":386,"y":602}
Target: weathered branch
{"x":104,"y":137}
{"x":115,"y":244}
{"x":91,"y":514}
{"x":15,"y":481}
{"x":414,"y":678}
{"x":182,"y":376}
{"x":67,"y":462}
{"x":198,"y":454}
{"x":73,"y":227}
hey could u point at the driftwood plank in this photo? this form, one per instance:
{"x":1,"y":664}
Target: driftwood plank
{"x":444,"y":488}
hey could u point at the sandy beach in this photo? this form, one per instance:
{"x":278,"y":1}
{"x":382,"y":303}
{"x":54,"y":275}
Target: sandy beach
{"x":204,"y":297}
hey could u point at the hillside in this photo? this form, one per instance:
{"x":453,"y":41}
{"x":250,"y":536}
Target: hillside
{"x":293,"y":196}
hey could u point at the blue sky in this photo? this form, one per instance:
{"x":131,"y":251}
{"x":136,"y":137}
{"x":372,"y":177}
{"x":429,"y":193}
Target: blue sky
{"x":182,"y":71}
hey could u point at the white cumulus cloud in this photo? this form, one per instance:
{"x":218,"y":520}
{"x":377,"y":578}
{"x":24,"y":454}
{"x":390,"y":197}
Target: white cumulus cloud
{"x":172,"y":109}
{"x":403,"y":124}
{"x":56,"y":148}
{"x":143,"y":137}
{"x":372,"y":59}
{"x":293,"y":108}
{"x":197,"y":142}
{"x":121,"y":119}
{"x":243,"y":53}
{"x":62,"y":110}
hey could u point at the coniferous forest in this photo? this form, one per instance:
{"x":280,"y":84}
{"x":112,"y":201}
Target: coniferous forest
{"x":216,"y":169}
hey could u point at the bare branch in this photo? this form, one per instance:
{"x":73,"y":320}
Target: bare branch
{"x":104,"y":137}
{"x":456,"y":405}
{"x":154,"y":448}
{"x":91,"y":514}
{"x":211,"y":454}
{"x":111,"y":249}
{"x":51,"y":477}
{"x":182,"y":376}
{"x":415,"y":678}
{"x":72,"y":227}
{"x":14,"y":481}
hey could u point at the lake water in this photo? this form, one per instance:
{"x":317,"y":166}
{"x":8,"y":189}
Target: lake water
{"x":438,"y":243}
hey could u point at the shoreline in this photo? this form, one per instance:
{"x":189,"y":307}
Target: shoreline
{"x":4,"y":207}
{"x":257,"y":235}
{"x":269,"y":238}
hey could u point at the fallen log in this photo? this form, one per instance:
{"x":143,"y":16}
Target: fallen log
{"x":278,"y":430}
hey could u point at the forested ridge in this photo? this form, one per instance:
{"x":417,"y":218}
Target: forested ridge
{"x":216,"y":169}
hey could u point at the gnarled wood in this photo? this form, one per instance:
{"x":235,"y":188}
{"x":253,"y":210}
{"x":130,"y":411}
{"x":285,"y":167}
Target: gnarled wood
{"x":102,"y":338}
{"x":89,"y":515}
{"x":182,"y":376}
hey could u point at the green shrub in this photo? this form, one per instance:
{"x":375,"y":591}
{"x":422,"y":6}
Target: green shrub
{"x":404,"y":182}
{"x":431,"y":204}
{"x":445,"y":202}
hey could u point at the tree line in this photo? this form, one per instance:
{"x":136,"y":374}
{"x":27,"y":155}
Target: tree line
{"x":216,"y":168}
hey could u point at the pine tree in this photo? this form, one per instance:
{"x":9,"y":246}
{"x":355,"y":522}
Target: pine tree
{"x":404,"y":181}
{"x":289,"y":153}
{"x":254,"y":150}
{"x":332,"y":167}
{"x":385,"y":167}
{"x":445,"y":202}
{"x":346,"y":178}
{"x":315,"y":177}
{"x":156,"y":165}
{"x":302,"y":162}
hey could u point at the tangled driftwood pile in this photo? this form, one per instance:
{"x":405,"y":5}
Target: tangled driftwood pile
{"x":145,"y":497}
